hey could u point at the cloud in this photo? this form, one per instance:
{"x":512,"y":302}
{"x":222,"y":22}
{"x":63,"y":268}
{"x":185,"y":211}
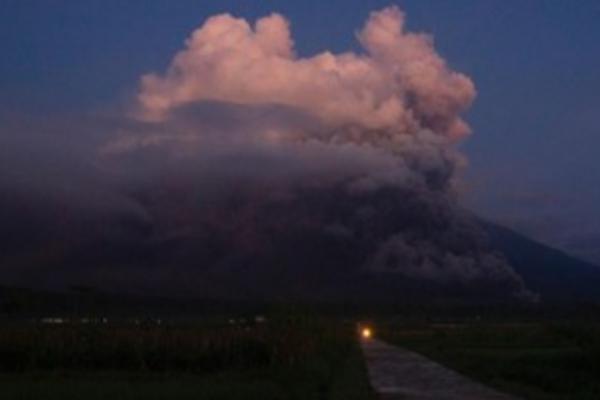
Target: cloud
{"x":245,"y":165}
{"x":400,"y":85}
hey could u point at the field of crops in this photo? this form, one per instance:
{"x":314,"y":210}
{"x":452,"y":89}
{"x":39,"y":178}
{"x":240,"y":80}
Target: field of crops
{"x":284,"y":358}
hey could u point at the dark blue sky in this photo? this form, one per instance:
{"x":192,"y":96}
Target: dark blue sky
{"x":533,"y":154}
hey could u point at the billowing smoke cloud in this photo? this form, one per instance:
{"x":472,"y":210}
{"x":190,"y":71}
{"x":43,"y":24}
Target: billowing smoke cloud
{"x":247,"y":170}
{"x":400,"y":85}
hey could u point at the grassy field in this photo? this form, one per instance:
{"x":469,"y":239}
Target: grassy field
{"x":540,"y":361}
{"x":286,"y":358}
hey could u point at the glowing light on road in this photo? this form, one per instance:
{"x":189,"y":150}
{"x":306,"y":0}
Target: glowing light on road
{"x":366,"y":333}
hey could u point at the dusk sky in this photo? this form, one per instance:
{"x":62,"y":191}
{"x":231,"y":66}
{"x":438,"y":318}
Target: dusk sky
{"x":533,"y":152}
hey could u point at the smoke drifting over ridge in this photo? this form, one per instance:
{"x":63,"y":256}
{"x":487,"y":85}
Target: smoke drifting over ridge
{"x":246,"y":170}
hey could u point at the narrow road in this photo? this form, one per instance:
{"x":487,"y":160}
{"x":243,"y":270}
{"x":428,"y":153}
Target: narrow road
{"x":396,"y":373}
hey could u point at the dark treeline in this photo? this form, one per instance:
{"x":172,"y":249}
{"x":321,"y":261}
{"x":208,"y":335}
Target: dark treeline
{"x":26,"y":304}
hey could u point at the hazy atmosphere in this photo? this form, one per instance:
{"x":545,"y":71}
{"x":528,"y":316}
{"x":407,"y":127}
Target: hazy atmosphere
{"x":243,"y":152}
{"x":534,"y":65}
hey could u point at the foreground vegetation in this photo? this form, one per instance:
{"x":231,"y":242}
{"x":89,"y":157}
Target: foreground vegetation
{"x":282,"y":358}
{"x":540,"y":361}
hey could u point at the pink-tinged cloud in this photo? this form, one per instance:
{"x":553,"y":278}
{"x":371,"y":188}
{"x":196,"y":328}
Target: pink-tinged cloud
{"x":399,"y":85}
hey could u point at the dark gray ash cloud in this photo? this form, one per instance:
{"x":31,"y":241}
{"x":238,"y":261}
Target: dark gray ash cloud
{"x":241,"y":191}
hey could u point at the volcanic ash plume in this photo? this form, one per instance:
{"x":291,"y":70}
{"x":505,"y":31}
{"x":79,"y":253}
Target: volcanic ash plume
{"x":315,"y":169}
{"x":399,"y":86}
{"x":265,"y":173}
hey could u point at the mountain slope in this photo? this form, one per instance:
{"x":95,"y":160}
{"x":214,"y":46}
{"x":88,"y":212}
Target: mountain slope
{"x":550,"y":272}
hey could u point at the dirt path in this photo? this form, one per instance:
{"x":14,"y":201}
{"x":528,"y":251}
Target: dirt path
{"x":396,"y":374}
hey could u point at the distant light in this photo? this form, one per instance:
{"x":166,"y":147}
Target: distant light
{"x":366,"y":333}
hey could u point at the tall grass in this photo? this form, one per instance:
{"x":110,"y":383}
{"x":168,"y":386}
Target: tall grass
{"x":167,"y":348}
{"x":285,"y":358}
